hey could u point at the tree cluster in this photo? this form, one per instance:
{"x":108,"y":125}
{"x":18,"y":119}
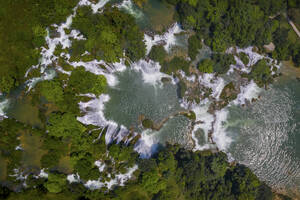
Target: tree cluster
{"x":108,"y":35}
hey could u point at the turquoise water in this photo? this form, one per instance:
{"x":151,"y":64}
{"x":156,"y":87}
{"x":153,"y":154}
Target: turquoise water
{"x":133,"y":98}
{"x":267,"y":135}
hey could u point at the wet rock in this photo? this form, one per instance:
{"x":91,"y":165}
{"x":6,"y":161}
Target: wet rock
{"x":166,"y":79}
{"x":191,"y":115}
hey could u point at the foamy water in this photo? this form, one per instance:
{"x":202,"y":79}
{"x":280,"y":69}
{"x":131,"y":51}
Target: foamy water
{"x":3,"y":106}
{"x":119,"y":180}
{"x":48,"y":74}
{"x":253,"y":57}
{"x":131,"y":9}
{"x":150,"y":71}
{"x":64,"y":39}
{"x":247,"y":93}
{"x":169,"y":38}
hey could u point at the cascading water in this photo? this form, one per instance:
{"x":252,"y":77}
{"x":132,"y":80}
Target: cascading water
{"x":3,"y":107}
{"x":139,"y":93}
{"x":169,"y":38}
{"x":131,"y":8}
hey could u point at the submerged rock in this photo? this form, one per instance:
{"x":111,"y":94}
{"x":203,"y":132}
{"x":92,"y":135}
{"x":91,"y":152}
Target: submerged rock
{"x":147,"y":123}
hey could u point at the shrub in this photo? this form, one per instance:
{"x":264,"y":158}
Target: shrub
{"x":158,"y":54}
{"x":177,"y":63}
{"x":206,"y":66}
{"x":195,"y":44}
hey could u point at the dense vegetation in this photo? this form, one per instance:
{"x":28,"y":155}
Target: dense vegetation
{"x":22,"y":31}
{"x":173,"y":173}
{"x":223,"y":24}
{"x":158,"y":54}
{"x":108,"y":34}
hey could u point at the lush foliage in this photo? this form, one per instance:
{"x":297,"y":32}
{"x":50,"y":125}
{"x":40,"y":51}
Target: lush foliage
{"x":222,"y":62}
{"x":261,"y":73}
{"x":173,"y":173}
{"x":206,"y":66}
{"x":22,"y":30}
{"x":64,"y":125}
{"x":108,"y":34}
{"x":177,"y":63}
{"x":158,"y":54}
{"x":227,"y":23}
{"x":55,"y":182}
{"x":244,"y":58}
{"x":52,"y":91}
{"x":82,"y":82}
{"x":223,"y":24}
{"x":194,"y":44}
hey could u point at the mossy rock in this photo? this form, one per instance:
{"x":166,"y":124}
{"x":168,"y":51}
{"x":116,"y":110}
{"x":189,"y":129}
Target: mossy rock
{"x":127,"y":63}
{"x":166,"y":79}
{"x":147,"y":123}
{"x":181,"y":88}
{"x":244,"y":58}
{"x":229,"y":92}
{"x":67,"y":31}
{"x":191,"y":115}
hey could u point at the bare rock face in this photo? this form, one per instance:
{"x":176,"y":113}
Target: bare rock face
{"x":269,"y":47}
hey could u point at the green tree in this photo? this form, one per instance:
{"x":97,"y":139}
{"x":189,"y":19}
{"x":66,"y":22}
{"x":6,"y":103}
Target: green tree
{"x":151,"y":182}
{"x":158,"y":54}
{"x":222,"y":62}
{"x":52,"y":90}
{"x":82,"y":82}
{"x":64,"y":125}
{"x":83,"y":167}
{"x":177,"y":63}
{"x":51,"y":159}
{"x":261,"y":73}
{"x":7,"y":83}
{"x":55,"y":183}
{"x":108,"y":35}
{"x":195,"y":44}
{"x":206,"y":66}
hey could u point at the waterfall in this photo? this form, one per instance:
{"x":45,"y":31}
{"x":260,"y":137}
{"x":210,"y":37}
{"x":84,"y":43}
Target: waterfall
{"x":168,"y":39}
{"x":3,"y":107}
{"x":131,"y":9}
